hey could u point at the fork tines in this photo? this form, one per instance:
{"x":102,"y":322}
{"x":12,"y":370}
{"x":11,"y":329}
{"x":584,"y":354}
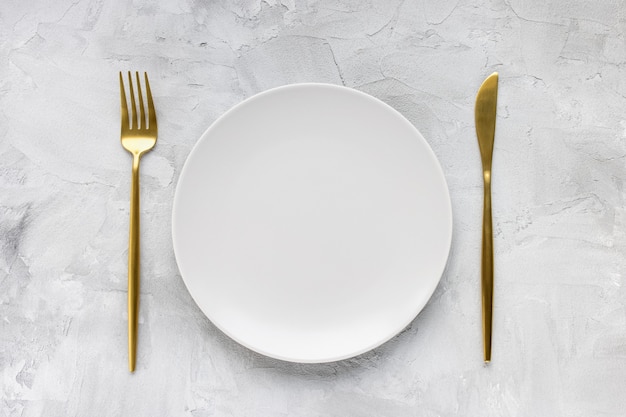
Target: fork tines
{"x":137,"y":123}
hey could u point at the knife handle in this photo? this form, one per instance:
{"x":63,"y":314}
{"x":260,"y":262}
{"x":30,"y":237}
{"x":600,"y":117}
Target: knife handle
{"x":133,"y":266}
{"x":487,"y":269}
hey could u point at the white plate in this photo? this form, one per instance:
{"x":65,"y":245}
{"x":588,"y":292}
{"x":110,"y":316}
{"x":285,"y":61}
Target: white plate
{"x":311,"y":223}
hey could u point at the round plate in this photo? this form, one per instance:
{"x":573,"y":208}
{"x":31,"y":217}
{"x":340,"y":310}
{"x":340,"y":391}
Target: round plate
{"x":311,"y":223}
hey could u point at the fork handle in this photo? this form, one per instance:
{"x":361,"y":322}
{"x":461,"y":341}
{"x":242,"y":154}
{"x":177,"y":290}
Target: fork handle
{"x":487,"y":270}
{"x":133,"y":266}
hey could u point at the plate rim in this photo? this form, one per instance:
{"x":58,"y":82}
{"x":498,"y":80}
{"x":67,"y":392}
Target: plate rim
{"x":449,"y":215}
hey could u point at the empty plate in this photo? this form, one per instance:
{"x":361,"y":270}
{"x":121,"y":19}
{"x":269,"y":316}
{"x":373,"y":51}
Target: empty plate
{"x":311,"y":223}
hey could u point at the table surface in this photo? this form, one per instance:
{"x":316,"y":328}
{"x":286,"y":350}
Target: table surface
{"x":558,"y":204}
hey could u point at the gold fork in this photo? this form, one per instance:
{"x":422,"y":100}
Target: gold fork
{"x":138,"y":137}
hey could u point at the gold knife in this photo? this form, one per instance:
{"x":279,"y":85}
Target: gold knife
{"x":485,"y":116}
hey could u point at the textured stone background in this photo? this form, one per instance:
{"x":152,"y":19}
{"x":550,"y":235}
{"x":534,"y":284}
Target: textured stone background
{"x":559,"y":203}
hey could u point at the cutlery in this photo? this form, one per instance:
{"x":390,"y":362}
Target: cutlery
{"x":485,"y":116}
{"x":138,"y":137}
